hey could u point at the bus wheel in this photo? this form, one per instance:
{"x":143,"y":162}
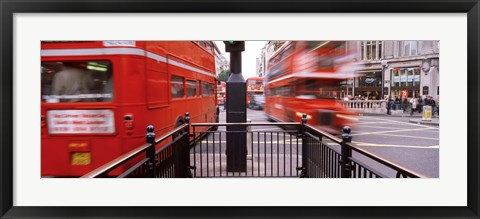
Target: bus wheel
{"x":177,"y":124}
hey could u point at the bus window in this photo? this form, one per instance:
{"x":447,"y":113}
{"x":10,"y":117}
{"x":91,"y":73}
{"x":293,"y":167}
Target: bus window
{"x":177,"y":86}
{"x":211,"y":89}
{"x":192,"y":88}
{"x":76,"y":81}
{"x":209,"y":47}
{"x":205,"y":89}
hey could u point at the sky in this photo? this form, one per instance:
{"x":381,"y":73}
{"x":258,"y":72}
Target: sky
{"x":249,"y":56}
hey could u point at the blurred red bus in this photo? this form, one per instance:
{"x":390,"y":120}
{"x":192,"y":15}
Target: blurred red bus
{"x":254,"y":87}
{"x":98,"y":97}
{"x":304,"y":77}
{"x":221,"y":92}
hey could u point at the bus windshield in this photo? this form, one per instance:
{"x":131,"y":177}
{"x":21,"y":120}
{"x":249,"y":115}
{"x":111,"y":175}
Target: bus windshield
{"x":76,"y":81}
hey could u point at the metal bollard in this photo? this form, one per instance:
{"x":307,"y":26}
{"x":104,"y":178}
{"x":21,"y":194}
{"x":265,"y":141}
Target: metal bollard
{"x":150,"y":137}
{"x":346,"y":152}
{"x":249,"y":140}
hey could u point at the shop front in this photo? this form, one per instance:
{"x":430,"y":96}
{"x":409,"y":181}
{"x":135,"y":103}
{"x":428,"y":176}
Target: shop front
{"x":367,"y":84}
{"x":405,"y":82}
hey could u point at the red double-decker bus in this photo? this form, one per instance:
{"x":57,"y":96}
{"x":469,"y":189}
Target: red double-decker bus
{"x":97,"y":98}
{"x":221,"y":92}
{"x":304,"y":77}
{"x":254,"y":87}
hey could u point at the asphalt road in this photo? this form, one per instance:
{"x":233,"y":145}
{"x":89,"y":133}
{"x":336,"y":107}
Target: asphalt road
{"x":411,"y":145}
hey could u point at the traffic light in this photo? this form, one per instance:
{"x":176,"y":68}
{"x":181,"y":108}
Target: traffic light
{"x":234,"y":46}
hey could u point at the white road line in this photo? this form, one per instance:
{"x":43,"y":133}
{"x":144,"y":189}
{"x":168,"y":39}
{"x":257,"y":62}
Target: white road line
{"x":381,"y":127}
{"x":381,"y":132}
{"x":408,"y":136}
{"x":361,"y":123}
{"x":394,"y":145}
{"x":412,"y":124}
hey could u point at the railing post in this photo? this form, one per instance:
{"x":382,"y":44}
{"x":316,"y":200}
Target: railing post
{"x":346,"y":152}
{"x":303,"y":129}
{"x":187,"y":120}
{"x":249,"y":140}
{"x":181,"y":153}
{"x":150,"y":137}
{"x":186,"y":148}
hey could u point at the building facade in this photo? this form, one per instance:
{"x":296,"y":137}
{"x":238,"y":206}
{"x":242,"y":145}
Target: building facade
{"x":409,"y":68}
{"x":221,"y":63}
{"x":267,"y":51}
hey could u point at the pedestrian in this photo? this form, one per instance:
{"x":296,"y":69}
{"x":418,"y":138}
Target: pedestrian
{"x":419,"y":104}
{"x":413,"y":101}
{"x":433,"y":105}
{"x":404,"y":104}
{"x":438,"y":107}
{"x":389,"y":105}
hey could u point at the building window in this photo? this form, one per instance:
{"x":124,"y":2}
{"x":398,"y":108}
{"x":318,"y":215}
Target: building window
{"x":404,"y":77}
{"x":370,"y":79}
{"x":407,"y":48}
{"x":425,"y":90}
{"x":372,"y":50}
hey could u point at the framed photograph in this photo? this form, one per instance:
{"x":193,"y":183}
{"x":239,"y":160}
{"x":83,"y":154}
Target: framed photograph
{"x":53,"y":35}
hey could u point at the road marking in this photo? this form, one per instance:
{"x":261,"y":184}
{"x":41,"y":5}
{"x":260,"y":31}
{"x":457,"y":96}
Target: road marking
{"x":381,"y":132}
{"x":287,"y":142}
{"x":394,"y":145}
{"x":380,"y":127}
{"x":412,"y":124}
{"x":361,"y":123}
{"x":408,"y":136}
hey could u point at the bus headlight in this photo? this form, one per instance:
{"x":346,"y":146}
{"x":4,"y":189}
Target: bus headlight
{"x":299,"y":114}
{"x":342,"y":116}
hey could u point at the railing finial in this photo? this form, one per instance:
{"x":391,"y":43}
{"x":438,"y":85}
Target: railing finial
{"x":346,"y":137}
{"x":304,"y":119}
{"x":150,"y":128}
{"x":187,"y":117}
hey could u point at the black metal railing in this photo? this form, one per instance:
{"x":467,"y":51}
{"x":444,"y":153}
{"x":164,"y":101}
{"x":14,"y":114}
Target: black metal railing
{"x":170,"y":161}
{"x":271,"y":151}
{"x":327,"y":156}
{"x":290,"y":150}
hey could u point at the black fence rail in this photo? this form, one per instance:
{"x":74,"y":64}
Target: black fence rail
{"x":170,"y":161}
{"x":271,"y":151}
{"x":327,"y":156}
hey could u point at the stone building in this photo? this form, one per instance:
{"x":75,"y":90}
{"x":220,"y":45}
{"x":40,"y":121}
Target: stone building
{"x":411,"y":69}
{"x":267,"y":51}
{"x":221,"y":63}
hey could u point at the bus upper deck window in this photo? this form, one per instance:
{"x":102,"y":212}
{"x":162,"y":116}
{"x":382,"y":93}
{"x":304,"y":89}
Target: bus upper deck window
{"x":76,"y":81}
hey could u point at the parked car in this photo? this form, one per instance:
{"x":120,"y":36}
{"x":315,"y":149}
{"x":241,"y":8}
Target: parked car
{"x":257,"y":102}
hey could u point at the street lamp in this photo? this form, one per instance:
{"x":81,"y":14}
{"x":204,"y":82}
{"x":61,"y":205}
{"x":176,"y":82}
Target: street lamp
{"x":384,"y":64}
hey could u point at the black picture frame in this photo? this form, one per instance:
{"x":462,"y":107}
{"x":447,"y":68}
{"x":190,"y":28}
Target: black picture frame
{"x":10,"y":7}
